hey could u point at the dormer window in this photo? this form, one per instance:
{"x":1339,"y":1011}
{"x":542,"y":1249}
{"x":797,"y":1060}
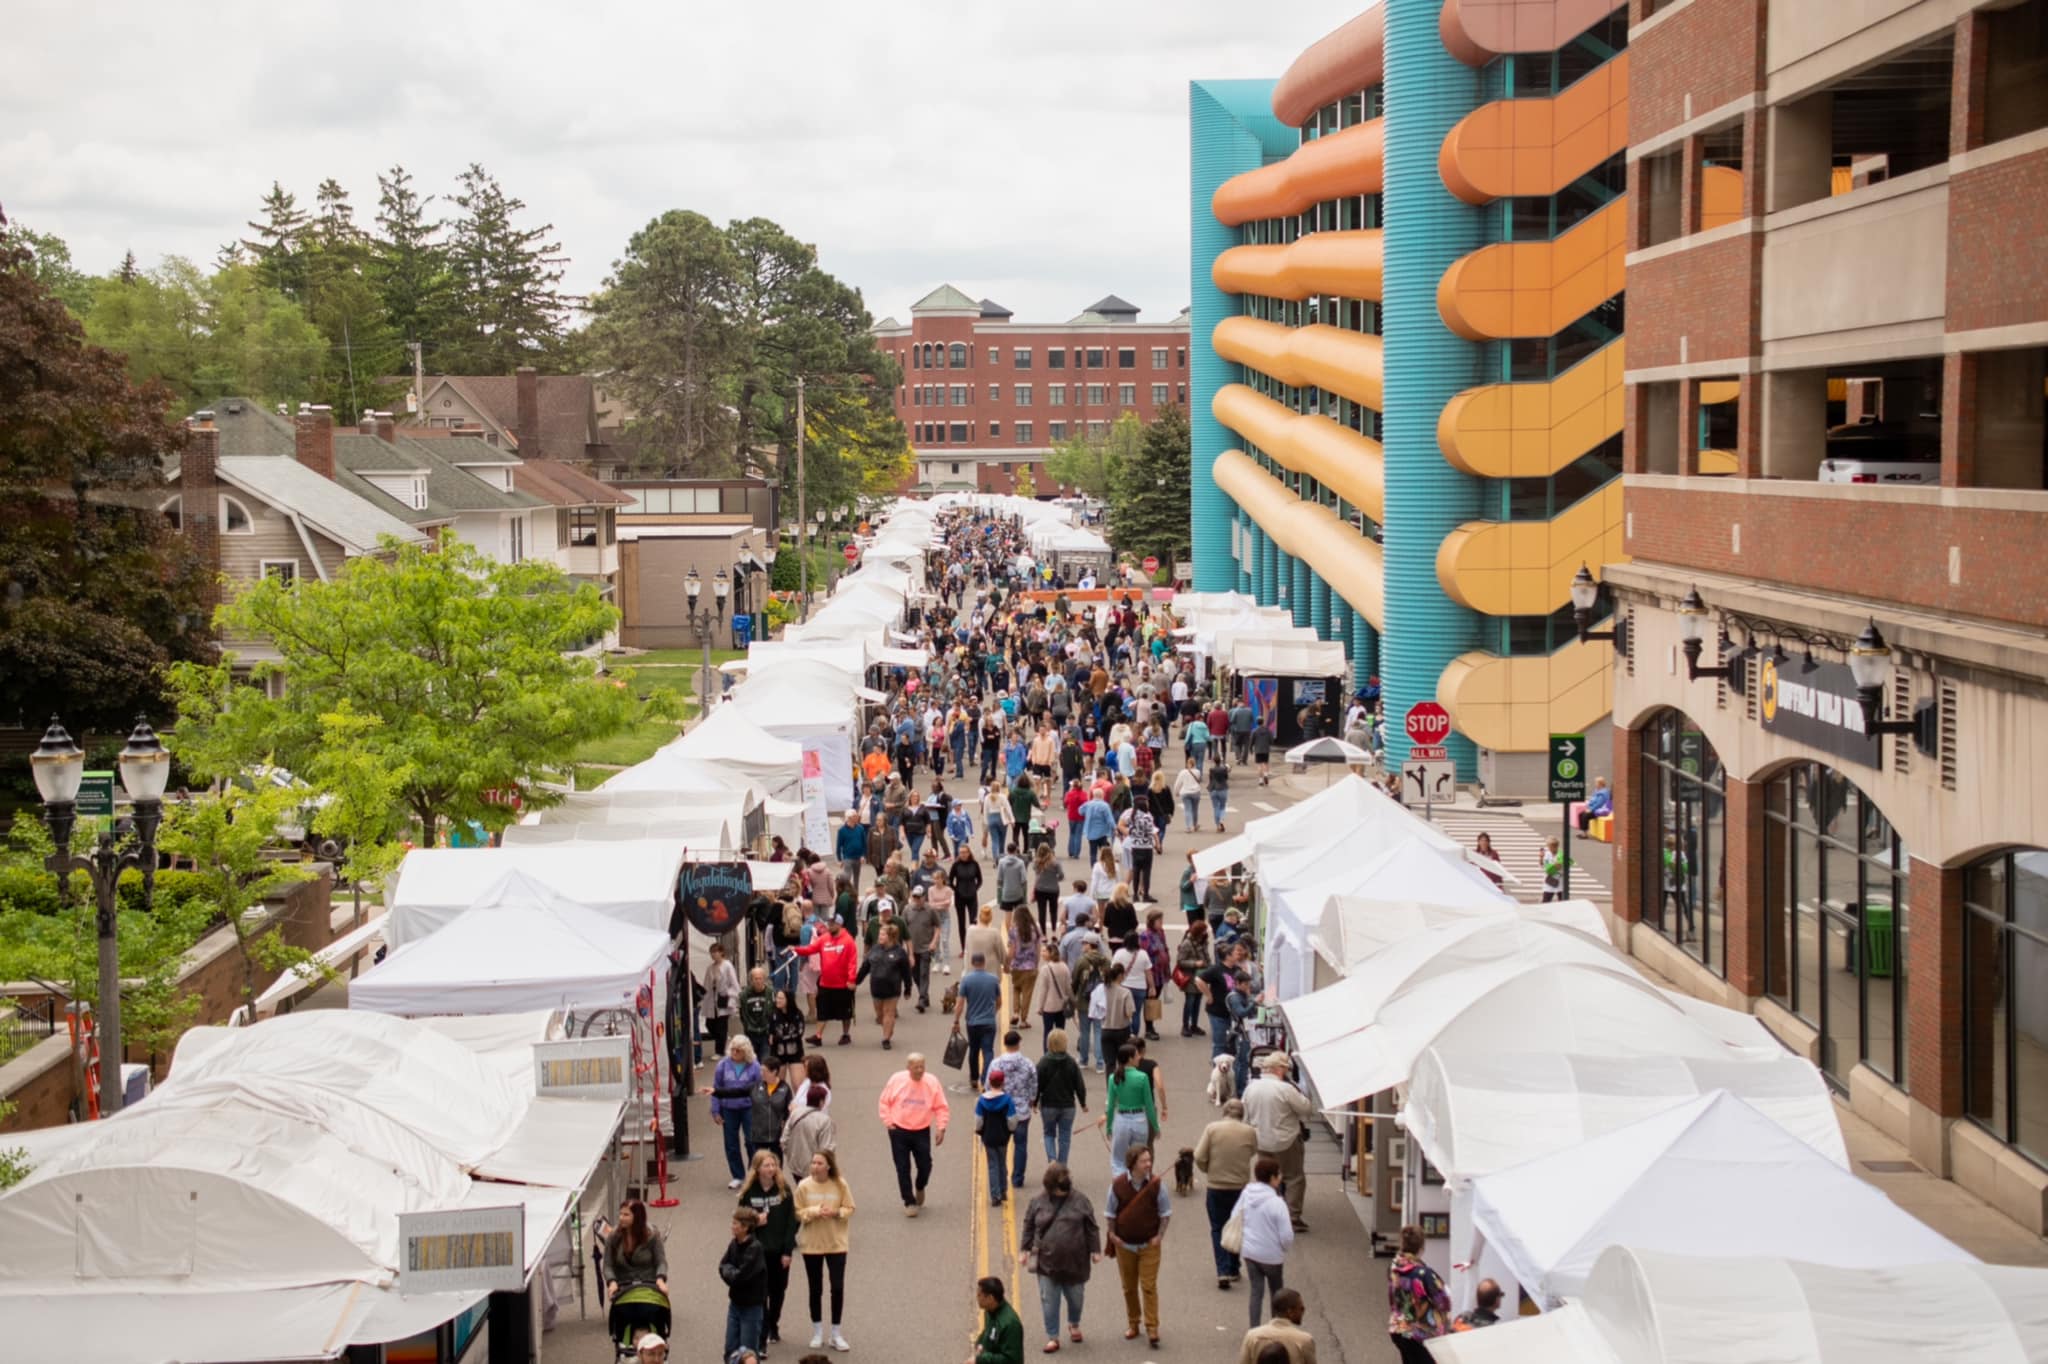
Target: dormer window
{"x":234,"y":518}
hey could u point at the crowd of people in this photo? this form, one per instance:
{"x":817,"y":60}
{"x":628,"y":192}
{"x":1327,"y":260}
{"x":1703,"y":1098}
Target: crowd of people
{"x":1016,"y":799}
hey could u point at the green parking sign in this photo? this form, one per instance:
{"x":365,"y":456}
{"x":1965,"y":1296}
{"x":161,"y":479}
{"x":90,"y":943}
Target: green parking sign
{"x":1567,"y":768}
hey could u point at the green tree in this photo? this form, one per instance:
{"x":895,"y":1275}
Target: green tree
{"x":364,"y":797}
{"x":409,"y":263}
{"x":97,"y":593}
{"x":49,"y":262}
{"x":662,"y":330}
{"x":278,"y":248}
{"x":509,"y":307}
{"x":343,"y":300}
{"x":1149,"y":512}
{"x":1089,"y":461}
{"x":1023,"y":483}
{"x":208,"y":335}
{"x":228,"y":839}
{"x":462,"y":662}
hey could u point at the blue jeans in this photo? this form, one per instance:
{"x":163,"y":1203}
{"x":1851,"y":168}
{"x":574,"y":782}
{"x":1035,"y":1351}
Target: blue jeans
{"x":1137,"y":1008}
{"x":916,"y":842}
{"x":1192,"y":805}
{"x":1128,"y":1130}
{"x":959,"y":747}
{"x":1219,"y":1036}
{"x":1190,"y":1009}
{"x":998,"y":834}
{"x":1073,"y":838}
{"x":731,"y":1127}
{"x":1051,"y":1294}
{"x":1217,"y":800}
{"x":1198,"y":752}
{"x":1020,"y":1148}
{"x":1091,"y":1032}
{"x":998,"y":1167}
{"x":742,"y":1328}
{"x":1059,"y":1132}
{"x":1221,"y":1203}
{"x":981,"y":1052}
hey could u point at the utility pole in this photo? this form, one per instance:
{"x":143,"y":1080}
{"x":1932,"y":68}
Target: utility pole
{"x":419,"y":378}
{"x":803,"y":550}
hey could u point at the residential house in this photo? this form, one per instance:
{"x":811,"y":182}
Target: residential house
{"x":563,"y":418}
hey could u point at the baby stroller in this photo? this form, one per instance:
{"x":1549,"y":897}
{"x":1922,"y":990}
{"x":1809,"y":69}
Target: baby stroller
{"x":638,"y":1309}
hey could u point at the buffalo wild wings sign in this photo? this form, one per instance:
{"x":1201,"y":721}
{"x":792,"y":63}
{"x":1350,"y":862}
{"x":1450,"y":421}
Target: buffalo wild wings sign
{"x":1819,"y":709}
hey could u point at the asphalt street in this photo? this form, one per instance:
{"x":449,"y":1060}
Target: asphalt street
{"x":910,"y":1282}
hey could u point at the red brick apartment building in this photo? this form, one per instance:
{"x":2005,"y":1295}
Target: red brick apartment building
{"x":985,"y":397}
{"x":1831,"y":704}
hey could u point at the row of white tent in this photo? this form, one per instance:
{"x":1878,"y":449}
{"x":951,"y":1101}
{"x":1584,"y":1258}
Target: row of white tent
{"x":1232,"y":629}
{"x":1570,"y":1105}
{"x":250,"y":1207}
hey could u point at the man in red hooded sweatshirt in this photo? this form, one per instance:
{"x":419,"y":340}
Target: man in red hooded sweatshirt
{"x":838,"y":963}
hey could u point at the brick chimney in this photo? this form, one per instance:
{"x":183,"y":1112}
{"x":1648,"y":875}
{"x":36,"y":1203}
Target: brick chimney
{"x":199,"y":501}
{"x":527,"y":431}
{"x":387,"y":427}
{"x":313,"y":439}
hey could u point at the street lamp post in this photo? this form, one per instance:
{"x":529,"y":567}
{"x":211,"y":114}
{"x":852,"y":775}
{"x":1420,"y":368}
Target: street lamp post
{"x":1586,"y":596}
{"x":59,"y":768}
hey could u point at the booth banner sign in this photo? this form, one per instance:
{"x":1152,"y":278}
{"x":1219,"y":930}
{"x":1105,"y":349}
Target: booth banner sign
{"x":715,"y":896}
{"x":1264,"y":695}
{"x":817,"y":833}
{"x":471,"y":1250}
{"x":583,"y":1068}
{"x":1309,"y":692}
{"x":1819,"y":709}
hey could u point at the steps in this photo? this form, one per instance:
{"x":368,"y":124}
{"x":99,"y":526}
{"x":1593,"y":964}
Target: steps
{"x":1520,"y":848}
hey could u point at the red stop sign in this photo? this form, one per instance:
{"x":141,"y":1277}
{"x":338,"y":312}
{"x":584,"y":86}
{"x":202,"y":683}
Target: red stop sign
{"x":1151,"y":563}
{"x":852,"y":552}
{"x":1428,"y":723}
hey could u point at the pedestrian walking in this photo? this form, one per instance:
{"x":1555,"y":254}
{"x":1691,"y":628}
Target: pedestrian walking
{"x":824,"y":1207}
{"x":1059,"y":1242}
{"x":1190,"y":960}
{"x":769,"y":1114}
{"x":1268,"y":1234}
{"x":1062,"y":1088}
{"x":886,"y":970}
{"x":1045,"y":888}
{"x":810,"y":1129}
{"x":732,"y":1103}
{"x":981,"y":997}
{"x":1002,"y":1335}
{"x":995,"y":1117}
{"x":1023,"y":948}
{"x":636,"y":1266}
{"x":964,"y":876}
{"x":923,"y":926}
{"x":1280,"y":1113}
{"x":1224,"y":1154}
{"x":1113,"y":1008}
{"x":720,"y":998}
{"x":850,"y":845}
{"x":1418,"y":1308}
{"x":744,"y":1268}
{"x":772,"y":1198}
{"x":1020,"y":1082}
{"x":1282,"y":1339}
{"x":838,"y":962}
{"x":989,"y":938}
{"x":1133,"y":1118}
{"x":1138,"y":1211}
{"x":1052,"y":992}
{"x":1219,"y":791}
{"x":757,"y":1010}
{"x":914,"y":1112}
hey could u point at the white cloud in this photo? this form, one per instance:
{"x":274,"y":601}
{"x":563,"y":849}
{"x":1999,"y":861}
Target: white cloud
{"x":1033,"y":153}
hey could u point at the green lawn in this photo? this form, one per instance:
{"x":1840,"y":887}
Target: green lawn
{"x":638,"y":743}
{"x":692,"y":657}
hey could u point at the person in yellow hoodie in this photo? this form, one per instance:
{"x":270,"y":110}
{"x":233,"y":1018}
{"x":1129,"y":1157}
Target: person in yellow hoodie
{"x":824,"y":1206}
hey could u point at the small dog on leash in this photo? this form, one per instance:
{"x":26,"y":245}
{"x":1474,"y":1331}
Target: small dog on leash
{"x":1184,"y":1173}
{"x":1222,"y":1081}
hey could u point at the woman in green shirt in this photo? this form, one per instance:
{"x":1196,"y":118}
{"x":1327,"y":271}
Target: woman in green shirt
{"x":1127,"y":1100}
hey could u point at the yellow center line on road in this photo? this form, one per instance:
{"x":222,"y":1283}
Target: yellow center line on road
{"x":979,"y":1193}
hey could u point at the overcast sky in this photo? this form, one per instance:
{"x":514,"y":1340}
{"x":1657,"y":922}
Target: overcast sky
{"x":1036,"y":153}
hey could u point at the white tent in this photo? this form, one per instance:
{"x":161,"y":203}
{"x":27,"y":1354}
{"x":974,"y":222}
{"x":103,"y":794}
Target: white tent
{"x":1710,"y":1177}
{"x":1256,"y":656}
{"x":813,"y":705}
{"x":1544,"y":1007}
{"x":633,"y":882}
{"x":717,"y":819}
{"x":1354,"y":928}
{"x":1645,"y":1307}
{"x":1349,"y":817}
{"x":543,"y":954}
{"x":728,"y":739}
{"x":1411,"y":869}
{"x":848,"y":656}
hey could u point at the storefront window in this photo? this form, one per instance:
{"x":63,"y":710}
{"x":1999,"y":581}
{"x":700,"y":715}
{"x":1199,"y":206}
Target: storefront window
{"x":2005,"y":1019}
{"x":1835,"y":919}
{"x":1685,"y":819}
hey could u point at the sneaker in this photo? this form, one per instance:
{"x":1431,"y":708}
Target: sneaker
{"x":885,"y":1044}
{"x":910,"y":1209}
{"x":947,"y":967}
{"x":817,"y":1336}
{"x":846,"y":1039}
{"x":732,"y":1184}
{"x":839,"y":1341}
{"x":920,"y":1196}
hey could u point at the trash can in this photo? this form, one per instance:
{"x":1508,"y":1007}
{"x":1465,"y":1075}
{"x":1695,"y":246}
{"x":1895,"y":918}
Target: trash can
{"x":742,"y":631}
{"x":1877,"y":938}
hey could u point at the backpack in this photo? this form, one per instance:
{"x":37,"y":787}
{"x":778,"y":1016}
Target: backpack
{"x":1088,"y":975}
{"x":994,"y":1127}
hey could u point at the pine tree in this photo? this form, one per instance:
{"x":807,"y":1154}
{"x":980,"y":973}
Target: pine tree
{"x":280,"y":241}
{"x":507,"y":280}
{"x":1149,"y":505}
{"x":129,"y":270}
{"x":343,"y":300}
{"x":410,"y":264}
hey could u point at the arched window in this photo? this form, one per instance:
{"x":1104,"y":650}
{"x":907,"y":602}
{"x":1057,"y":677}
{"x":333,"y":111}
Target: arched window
{"x":1684,"y":832}
{"x":234,"y":518}
{"x":1834,"y":918}
{"x":959,"y":355}
{"x":917,"y":357}
{"x":2005,"y":998}
{"x":927,"y":355}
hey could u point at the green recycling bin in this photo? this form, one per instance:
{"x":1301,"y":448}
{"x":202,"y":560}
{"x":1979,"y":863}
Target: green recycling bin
{"x":1877,"y":938}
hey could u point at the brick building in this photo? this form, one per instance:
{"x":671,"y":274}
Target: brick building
{"x":984,"y":396}
{"x":1835,"y":423}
